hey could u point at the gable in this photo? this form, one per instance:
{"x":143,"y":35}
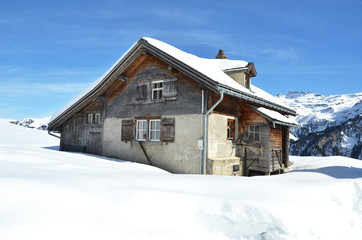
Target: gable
{"x":205,"y":71}
{"x":134,"y":96}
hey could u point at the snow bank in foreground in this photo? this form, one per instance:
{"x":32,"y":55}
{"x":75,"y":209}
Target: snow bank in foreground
{"x":47,"y":194}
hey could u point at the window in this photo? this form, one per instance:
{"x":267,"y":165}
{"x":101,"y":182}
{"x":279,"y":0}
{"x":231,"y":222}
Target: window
{"x":162,"y":130}
{"x":157,"y":90}
{"x":141,"y":93}
{"x":231,"y":129}
{"x":254,"y":132}
{"x":97,"y":118}
{"x":155,"y":130}
{"x":94,"y":118}
{"x":141,"y":130}
{"x":90,"y":119}
{"x":236,"y":168}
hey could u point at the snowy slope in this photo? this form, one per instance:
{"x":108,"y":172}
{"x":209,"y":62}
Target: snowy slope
{"x":38,"y":123}
{"x":328,"y":125}
{"x":47,"y":194}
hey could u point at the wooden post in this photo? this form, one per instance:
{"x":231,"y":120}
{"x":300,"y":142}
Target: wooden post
{"x":245,"y":164}
{"x":285,"y":146}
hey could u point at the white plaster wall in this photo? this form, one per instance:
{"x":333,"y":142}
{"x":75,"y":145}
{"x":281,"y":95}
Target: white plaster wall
{"x":238,"y":77}
{"x":181,"y":156}
{"x":218,"y":144}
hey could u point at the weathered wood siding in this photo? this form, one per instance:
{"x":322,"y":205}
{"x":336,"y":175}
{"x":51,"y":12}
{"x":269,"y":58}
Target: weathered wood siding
{"x":229,"y":105}
{"x":123,"y":102}
{"x":77,"y":132}
{"x":275,"y":147}
{"x":257,"y":151}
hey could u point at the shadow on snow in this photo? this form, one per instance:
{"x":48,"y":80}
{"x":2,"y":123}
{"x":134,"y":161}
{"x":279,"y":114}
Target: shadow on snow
{"x":338,"y":172}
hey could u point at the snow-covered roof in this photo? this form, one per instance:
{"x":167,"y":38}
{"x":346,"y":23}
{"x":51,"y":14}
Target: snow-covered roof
{"x":212,"y":69}
{"x":226,"y":64}
{"x":74,"y":100}
{"x":276,"y":116}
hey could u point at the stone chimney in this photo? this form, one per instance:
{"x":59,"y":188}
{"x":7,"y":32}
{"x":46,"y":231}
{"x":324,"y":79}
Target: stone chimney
{"x":221,"y":55}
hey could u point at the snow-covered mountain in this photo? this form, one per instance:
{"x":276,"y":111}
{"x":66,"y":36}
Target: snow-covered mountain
{"x":328,"y":124}
{"x":38,"y":123}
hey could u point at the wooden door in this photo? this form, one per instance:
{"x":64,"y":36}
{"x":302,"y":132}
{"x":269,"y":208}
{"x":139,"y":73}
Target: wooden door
{"x":95,"y":143}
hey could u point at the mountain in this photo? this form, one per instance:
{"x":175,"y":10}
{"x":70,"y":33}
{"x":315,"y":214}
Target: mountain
{"x":328,"y":124}
{"x":38,"y":123}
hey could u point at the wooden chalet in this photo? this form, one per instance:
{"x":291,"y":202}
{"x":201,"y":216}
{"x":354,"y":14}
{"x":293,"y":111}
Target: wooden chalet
{"x":161,"y":106}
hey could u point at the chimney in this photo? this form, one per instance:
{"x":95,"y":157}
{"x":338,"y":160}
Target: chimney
{"x":221,"y":55}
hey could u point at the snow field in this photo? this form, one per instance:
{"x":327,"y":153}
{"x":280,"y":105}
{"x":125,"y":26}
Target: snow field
{"x":47,"y":194}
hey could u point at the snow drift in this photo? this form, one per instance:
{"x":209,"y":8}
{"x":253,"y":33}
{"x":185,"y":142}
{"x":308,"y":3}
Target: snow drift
{"x":47,"y":194}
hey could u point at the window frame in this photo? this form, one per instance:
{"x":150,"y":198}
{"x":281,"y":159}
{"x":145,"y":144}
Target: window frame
{"x":97,"y":118}
{"x":150,"y":131}
{"x":131,"y":130}
{"x":144,"y":130}
{"x":230,"y":134}
{"x":90,"y":118}
{"x":254,"y":132}
{"x":157,"y":89}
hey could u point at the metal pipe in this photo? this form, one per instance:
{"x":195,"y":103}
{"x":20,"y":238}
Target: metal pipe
{"x":202,"y":112}
{"x":144,"y":152}
{"x":51,"y":134}
{"x":202,"y":101}
{"x":205,"y":129}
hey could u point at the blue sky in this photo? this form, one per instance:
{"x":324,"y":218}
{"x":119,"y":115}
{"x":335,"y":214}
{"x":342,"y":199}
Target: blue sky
{"x":51,"y":50}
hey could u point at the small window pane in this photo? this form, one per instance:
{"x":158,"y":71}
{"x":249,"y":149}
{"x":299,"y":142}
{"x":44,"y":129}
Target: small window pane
{"x":157,"y":89}
{"x":155,"y":127}
{"x":97,"y":118}
{"x":254,"y":132}
{"x":141,"y":130}
{"x":90,"y":119}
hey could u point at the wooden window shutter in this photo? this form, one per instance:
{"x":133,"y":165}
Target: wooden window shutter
{"x":127,"y":130}
{"x":167,"y":130}
{"x":170,"y":89}
{"x":141,"y":93}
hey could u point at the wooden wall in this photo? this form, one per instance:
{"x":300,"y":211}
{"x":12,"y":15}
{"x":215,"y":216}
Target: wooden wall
{"x":276,"y":147}
{"x":122,"y":102}
{"x":119,"y":101}
{"x":77,"y":132}
{"x":257,"y":151}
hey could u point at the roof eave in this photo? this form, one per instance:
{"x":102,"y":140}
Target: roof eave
{"x":93,"y":92}
{"x":182,"y":67}
{"x":177,"y":64}
{"x":275,"y":121}
{"x":235,"y":70}
{"x":255,"y":99}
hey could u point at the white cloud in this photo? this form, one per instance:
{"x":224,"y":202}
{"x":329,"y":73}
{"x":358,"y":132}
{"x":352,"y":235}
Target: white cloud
{"x":32,"y":89}
{"x":284,"y":54}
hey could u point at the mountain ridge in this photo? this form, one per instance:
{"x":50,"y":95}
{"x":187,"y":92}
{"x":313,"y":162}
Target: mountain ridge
{"x":37,"y":123}
{"x":327,"y":124}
